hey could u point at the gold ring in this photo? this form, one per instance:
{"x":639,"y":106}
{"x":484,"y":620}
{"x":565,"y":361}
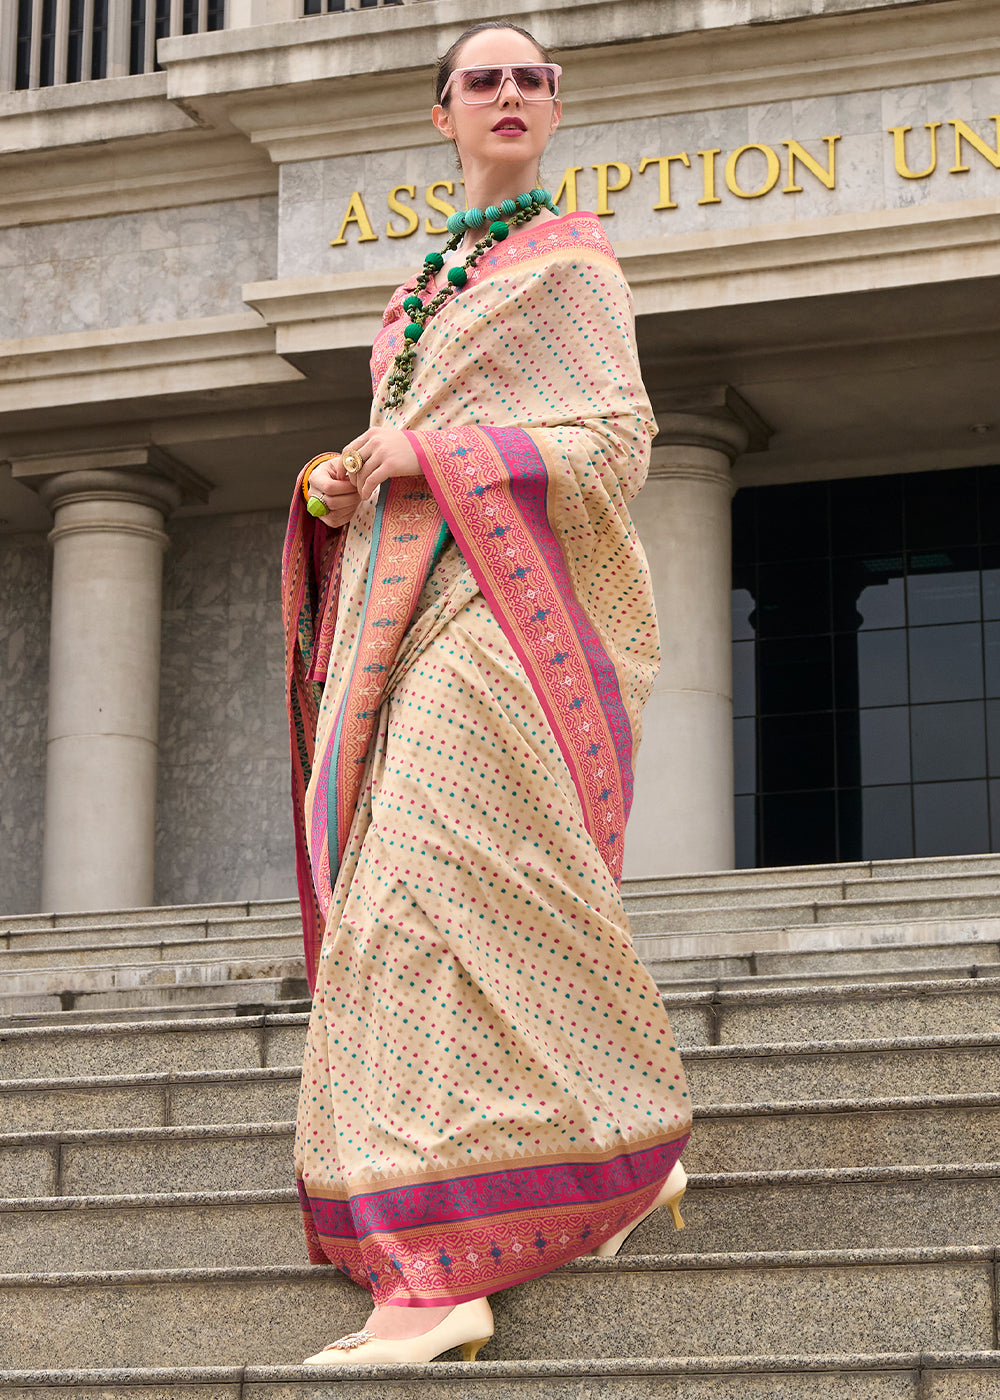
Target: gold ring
{"x":353,"y":462}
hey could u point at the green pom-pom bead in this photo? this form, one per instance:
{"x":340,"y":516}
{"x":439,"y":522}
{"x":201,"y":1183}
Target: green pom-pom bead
{"x":413,"y":331}
{"x":499,"y":230}
{"x":508,"y":206}
{"x":316,"y":507}
{"x":474,"y":217}
{"x":524,"y":201}
{"x":490,"y":213}
{"x":455,"y":223}
{"x":434,"y":260}
{"x":412,"y":304}
{"x":457,"y":276}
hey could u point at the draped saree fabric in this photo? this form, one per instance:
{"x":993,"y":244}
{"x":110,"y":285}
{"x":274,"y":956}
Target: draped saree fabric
{"x":490,"y":1085}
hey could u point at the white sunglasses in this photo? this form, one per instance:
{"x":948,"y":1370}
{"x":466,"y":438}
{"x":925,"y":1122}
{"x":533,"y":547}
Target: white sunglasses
{"x":535,"y":82}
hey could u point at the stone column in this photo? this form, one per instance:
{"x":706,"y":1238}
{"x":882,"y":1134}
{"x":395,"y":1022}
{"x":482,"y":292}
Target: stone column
{"x":104,"y":680}
{"x":682,"y":816}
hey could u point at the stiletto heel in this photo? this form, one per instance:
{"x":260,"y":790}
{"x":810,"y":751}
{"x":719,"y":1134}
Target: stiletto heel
{"x":670,"y":1196}
{"x":468,"y":1325}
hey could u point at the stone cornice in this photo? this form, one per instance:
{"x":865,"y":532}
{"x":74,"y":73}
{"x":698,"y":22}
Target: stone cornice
{"x":135,"y":362}
{"x":177,"y":168}
{"x":339,"y":84}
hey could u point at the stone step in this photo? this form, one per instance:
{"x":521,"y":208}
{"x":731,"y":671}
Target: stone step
{"x":932,"y":1065}
{"x":263,"y":996}
{"x":68,"y":985}
{"x":720,"y":1073}
{"x":122,"y":920}
{"x":669,"y":985}
{"x":247,"y":937}
{"x":940,"y":1375}
{"x":752,"y":1212}
{"x":252,"y":996}
{"x":117,"y":1152}
{"x":141,"y":1100}
{"x":706,"y":1304}
{"x":135,"y":1161}
{"x":830,"y":890}
{"x":915,"y":1130}
{"x":779,"y":949}
{"x":763,"y":877}
{"x":746,"y":917}
{"x":151,"y":1047}
{"x":851,"y":1011}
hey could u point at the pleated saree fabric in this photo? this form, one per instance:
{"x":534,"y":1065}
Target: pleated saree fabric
{"x":490,"y":1085}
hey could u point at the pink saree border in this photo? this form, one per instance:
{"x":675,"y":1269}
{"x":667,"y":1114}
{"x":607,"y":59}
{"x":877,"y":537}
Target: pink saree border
{"x":491,"y":485}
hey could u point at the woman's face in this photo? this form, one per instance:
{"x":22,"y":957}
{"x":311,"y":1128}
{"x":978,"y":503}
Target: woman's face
{"x":507,"y":130}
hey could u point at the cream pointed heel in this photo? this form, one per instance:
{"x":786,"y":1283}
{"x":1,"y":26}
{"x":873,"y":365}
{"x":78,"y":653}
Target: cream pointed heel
{"x":468,"y":1325}
{"x":670,"y":1196}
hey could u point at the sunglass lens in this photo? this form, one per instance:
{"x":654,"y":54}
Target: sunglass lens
{"x":481,"y":84}
{"x":535,"y":82}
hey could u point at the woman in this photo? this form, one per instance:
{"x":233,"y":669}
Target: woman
{"x":490,"y":1087}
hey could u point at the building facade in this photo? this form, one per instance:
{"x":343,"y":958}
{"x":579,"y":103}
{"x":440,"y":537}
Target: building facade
{"x":204,"y":208}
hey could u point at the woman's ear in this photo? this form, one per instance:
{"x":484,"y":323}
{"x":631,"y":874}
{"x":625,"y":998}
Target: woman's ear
{"x":556,"y":115}
{"x":441,"y":118}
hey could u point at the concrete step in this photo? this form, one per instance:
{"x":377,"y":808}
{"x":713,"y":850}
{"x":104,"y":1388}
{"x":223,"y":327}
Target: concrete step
{"x":252,"y":996}
{"x":72,"y":986}
{"x":202,"y":1147}
{"x":764,"y":877}
{"x":189,"y":1003}
{"x":140,"y":1100}
{"x":877,"y":1207}
{"x":849,"y":1132}
{"x":122,"y":921}
{"x":165,"y":943}
{"x":946,"y":942}
{"x":851,"y":1011}
{"x":669,"y":985}
{"x":746,"y":916}
{"x":133,"y":1161}
{"x":941,"y":1375}
{"x":151,"y":1047}
{"x":830,"y":890}
{"x":932,"y":1065}
{"x":708,"y":1305}
{"x":720,"y":1073}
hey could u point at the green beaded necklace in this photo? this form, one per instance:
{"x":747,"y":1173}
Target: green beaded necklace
{"x":500,"y":218}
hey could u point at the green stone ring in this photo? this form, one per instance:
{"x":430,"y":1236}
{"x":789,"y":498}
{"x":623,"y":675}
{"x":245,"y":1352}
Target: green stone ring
{"x":315,"y":506}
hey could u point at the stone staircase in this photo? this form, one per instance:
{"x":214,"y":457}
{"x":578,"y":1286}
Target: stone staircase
{"x":841,"y":1028}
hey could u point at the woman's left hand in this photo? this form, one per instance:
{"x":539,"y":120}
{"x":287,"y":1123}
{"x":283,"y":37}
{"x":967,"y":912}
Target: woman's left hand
{"x":385,"y":452}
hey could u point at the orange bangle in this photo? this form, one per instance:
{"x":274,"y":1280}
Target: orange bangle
{"x":311,"y":465}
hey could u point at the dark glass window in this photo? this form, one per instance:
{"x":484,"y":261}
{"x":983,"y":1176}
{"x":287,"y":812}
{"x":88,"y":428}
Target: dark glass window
{"x":99,"y":49}
{"x":74,"y":44}
{"x":866,"y":668}
{"x":47,"y":70}
{"x":189,"y":17}
{"x":216,"y":14}
{"x":22,"y":76}
{"x":137,"y":38}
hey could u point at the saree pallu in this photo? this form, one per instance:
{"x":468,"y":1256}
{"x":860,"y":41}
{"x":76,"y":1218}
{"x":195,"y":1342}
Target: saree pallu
{"x":490,"y":1085}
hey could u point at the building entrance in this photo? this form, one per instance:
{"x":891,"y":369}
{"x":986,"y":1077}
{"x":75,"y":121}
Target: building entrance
{"x":866,"y":659}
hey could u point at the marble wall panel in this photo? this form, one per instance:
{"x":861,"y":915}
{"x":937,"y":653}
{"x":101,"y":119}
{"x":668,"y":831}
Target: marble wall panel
{"x":24,"y":674}
{"x":224,"y":828}
{"x":132,"y":269}
{"x":314,"y":195}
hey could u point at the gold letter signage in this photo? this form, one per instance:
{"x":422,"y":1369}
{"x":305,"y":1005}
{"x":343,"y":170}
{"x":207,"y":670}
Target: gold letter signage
{"x":684,"y":178}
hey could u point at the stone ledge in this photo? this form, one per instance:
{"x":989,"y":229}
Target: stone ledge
{"x":133,"y":362}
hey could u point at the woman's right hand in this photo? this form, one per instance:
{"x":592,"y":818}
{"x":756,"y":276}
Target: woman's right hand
{"x":330,"y":482}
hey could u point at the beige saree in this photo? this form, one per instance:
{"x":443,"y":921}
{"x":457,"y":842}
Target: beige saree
{"x":490,"y":1086}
